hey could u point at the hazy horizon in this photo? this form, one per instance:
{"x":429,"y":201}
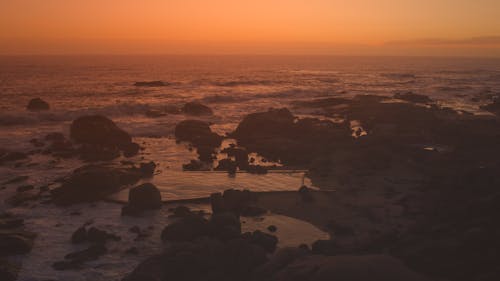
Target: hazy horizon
{"x":320,"y":27}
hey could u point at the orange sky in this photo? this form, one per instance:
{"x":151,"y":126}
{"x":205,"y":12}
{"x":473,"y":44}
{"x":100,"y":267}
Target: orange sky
{"x":461,"y":27}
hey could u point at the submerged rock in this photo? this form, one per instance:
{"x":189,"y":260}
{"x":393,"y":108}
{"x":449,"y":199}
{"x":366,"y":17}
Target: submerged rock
{"x":37,"y":104}
{"x":412,"y":97}
{"x":196,"y":109}
{"x":156,"y":83}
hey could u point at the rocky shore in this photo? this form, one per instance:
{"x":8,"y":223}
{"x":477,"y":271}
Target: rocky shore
{"x":407,"y":191}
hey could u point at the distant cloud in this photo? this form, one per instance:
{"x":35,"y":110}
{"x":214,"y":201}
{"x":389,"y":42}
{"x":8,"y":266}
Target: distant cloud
{"x":474,"y":41}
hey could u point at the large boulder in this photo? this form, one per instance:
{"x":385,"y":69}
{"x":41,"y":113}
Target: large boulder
{"x":37,"y":104}
{"x":143,"y":197}
{"x":98,"y":130}
{"x":196,"y":109}
{"x":198,"y":133}
{"x":94,"y":182}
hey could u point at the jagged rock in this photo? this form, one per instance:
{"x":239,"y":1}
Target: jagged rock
{"x":37,"y":104}
{"x":197,"y":109}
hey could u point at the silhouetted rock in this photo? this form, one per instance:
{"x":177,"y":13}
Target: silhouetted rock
{"x":98,"y":236}
{"x":37,"y":104}
{"x":94,"y":182}
{"x":235,"y":201}
{"x":186,"y":229}
{"x":196,"y":109}
{"x":267,"y":241}
{"x":143,"y":197}
{"x":224,"y":226}
{"x":16,"y":242}
{"x":130,"y":149}
{"x":76,"y":259}
{"x":98,"y":130}
{"x":227,"y":165}
{"x":156,"y":83}
{"x":197,"y":132}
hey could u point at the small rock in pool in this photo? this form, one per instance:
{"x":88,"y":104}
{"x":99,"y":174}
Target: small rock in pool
{"x":37,"y":104}
{"x":272,"y":228}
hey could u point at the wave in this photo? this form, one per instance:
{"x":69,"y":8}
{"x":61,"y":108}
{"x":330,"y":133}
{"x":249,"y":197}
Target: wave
{"x":399,"y":76}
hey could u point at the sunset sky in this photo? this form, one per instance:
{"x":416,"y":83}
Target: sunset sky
{"x":355,"y":27}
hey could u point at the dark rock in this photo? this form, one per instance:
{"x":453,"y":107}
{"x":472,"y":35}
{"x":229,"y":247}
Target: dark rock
{"x":98,"y":236}
{"x":8,"y":270}
{"x":256,"y":169}
{"x":197,"y":109}
{"x":347,"y":267}
{"x":79,"y":236}
{"x":227,"y":165}
{"x":225,"y":226}
{"x":197,"y":132}
{"x":11,"y":156}
{"x":182,"y":212}
{"x":195,"y":165}
{"x":267,"y":241}
{"x":130,"y":149}
{"x":16,"y":242}
{"x":232,"y":201}
{"x":240,"y":156}
{"x":24,"y":188}
{"x":151,"y":84}
{"x":148,"y":169}
{"x":412,"y":97}
{"x":37,"y":104}
{"x":98,"y":130}
{"x":272,"y":228}
{"x":325,"y":247}
{"x":55,"y":136}
{"x":93,"y":182}
{"x":306,"y":194}
{"x":76,"y":259}
{"x":252,"y":211}
{"x":186,"y":229}
{"x":145,"y":196}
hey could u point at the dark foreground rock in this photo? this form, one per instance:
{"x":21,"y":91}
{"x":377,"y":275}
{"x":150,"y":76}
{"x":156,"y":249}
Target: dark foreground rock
{"x":37,"y":104}
{"x":143,"y":197}
{"x":11,"y":156}
{"x":14,"y":239}
{"x":95,"y":182}
{"x":344,"y":267}
{"x":196,"y":109}
{"x":8,"y":270}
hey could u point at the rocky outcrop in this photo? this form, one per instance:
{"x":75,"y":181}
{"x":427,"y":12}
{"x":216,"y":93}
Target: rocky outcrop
{"x":37,"y":104}
{"x":196,"y":109}
{"x":101,"y":138}
{"x":199,"y":134}
{"x":94,"y":182}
